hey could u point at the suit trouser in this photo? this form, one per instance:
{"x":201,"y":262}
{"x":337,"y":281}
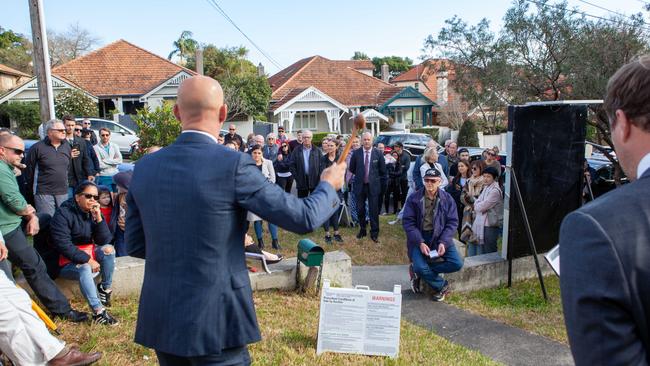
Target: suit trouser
{"x":302,"y":193}
{"x":230,"y":356}
{"x":373,"y":206}
{"x":23,"y":336}
{"x":30,"y":262}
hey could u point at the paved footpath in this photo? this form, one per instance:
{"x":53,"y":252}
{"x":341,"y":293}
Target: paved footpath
{"x":501,"y":342}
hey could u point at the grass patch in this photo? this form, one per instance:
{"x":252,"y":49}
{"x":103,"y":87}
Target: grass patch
{"x":390,"y":250}
{"x":289,"y":325}
{"x":522,"y":306}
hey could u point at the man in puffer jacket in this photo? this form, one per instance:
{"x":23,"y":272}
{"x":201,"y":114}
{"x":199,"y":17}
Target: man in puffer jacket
{"x":430,"y":221}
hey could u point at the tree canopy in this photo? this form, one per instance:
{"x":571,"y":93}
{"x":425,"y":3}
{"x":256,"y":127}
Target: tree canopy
{"x":15,"y":50}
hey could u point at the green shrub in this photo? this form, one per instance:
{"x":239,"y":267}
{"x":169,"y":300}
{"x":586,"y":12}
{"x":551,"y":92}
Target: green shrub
{"x":433,"y":132}
{"x":75,"y":103}
{"x":157,"y":128}
{"x":26,"y":116}
{"x":467,"y":135}
{"x":319,"y":137}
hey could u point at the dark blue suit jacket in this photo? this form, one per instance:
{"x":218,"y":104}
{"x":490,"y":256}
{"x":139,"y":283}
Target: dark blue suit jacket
{"x":187,"y":207}
{"x":376,"y":174}
{"x":605,"y":277}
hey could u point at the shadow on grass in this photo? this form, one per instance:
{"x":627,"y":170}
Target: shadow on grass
{"x":297,"y":340}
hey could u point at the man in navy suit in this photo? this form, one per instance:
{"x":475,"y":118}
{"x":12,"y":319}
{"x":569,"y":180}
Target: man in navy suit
{"x":369,"y":168}
{"x":188,"y":222}
{"x":605,"y":245}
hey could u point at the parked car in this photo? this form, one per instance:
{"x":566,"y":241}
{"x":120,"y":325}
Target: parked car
{"x":123,"y":136}
{"x":602,"y":175}
{"x":414,"y":143}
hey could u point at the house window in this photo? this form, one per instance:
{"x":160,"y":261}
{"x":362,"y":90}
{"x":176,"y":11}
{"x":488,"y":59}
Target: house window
{"x":417,"y":116}
{"x":417,"y":86}
{"x":305,"y":121}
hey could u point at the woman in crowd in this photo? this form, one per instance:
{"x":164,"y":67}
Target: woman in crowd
{"x":492,"y":161}
{"x":430,"y":159}
{"x":80,"y":235}
{"x":394,"y":172}
{"x":488,"y":209}
{"x":456,"y":186}
{"x":468,"y":196}
{"x":282,"y":168}
{"x":330,"y":147}
{"x":266,"y":167}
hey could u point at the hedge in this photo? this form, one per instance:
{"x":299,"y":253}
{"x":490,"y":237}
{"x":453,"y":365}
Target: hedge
{"x":26,"y":115}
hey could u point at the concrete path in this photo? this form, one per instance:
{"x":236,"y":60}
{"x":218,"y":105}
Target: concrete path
{"x":501,"y":342}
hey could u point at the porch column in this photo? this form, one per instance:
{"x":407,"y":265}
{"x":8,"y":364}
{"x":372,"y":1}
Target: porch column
{"x":332,"y":116}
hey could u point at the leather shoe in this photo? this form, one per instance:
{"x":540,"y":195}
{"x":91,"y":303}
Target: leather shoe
{"x":74,"y":357}
{"x":361,"y":234}
{"x":73,"y":316}
{"x":375,"y":239}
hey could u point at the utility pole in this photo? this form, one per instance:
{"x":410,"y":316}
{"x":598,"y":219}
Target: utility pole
{"x":41,"y":57}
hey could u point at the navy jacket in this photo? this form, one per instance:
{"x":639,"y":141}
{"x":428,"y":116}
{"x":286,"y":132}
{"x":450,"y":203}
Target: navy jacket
{"x":445,"y":222}
{"x":605,"y":277}
{"x":376,"y":174}
{"x":70,"y":227}
{"x":188,"y":222}
{"x":310,"y":179}
{"x":80,"y":167}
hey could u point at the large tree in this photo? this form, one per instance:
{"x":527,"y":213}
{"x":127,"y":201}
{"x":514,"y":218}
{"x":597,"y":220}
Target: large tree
{"x":15,"y":50}
{"x":358,"y":55}
{"x":396,"y":65}
{"x":70,"y":44}
{"x":245,"y":92}
{"x":184,"y":47}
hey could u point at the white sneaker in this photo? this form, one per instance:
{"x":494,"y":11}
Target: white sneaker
{"x":396,"y":221}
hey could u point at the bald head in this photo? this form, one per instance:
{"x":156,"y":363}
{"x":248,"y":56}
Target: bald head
{"x":200,"y":105}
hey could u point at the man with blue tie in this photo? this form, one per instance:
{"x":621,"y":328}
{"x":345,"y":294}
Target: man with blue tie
{"x":369,"y":168}
{"x":188,"y":222}
{"x":605,"y":245}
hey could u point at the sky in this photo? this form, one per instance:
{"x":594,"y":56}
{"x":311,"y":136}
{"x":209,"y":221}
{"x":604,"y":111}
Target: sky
{"x":285,"y":30}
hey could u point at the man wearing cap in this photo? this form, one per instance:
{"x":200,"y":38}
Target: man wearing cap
{"x":430,"y":221}
{"x":234,"y":136}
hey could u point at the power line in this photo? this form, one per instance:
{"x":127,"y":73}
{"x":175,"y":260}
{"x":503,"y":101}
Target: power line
{"x":582,"y":13}
{"x":608,"y":10}
{"x":223,"y":13}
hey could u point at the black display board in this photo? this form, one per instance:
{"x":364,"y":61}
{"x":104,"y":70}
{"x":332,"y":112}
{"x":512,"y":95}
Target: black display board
{"x":547,"y":154}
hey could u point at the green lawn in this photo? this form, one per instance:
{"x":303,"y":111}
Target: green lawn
{"x":522,"y":306}
{"x":289,"y":324}
{"x":390,"y":250}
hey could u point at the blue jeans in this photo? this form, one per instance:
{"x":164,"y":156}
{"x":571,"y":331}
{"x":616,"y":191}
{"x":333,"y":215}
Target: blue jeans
{"x":490,"y":237}
{"x":430,"y":272}
{"x":273,"y":229}
{"x":83,"y":273}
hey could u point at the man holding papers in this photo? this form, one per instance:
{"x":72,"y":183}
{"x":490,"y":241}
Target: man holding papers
{"x":430,"y":221}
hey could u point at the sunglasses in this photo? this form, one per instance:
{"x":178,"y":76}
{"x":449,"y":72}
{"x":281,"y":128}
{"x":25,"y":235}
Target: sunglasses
{"x":16,"y":151}
{"x":77,"y":130}
{"x":231,"y":129}
{"x":434,"y":180}
{"x":58,"y":129}
{"x":89,"y":196}
{"x":104,"y":135}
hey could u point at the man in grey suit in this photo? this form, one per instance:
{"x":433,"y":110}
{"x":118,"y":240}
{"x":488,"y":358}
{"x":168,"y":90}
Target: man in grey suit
{"x":188,"y":222}
{"x":605,"y":245}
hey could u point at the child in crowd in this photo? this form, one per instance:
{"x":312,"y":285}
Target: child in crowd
{"x":122,"y":181}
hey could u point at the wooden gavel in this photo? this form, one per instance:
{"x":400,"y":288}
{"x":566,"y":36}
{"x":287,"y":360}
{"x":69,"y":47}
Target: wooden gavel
{"x":359,"y":124}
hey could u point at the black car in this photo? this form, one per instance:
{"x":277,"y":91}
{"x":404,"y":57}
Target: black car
{"x":601,"y":171}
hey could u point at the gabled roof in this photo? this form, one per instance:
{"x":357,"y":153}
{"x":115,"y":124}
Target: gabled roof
{"x":58,"y":82}
{"x":4,"y":69}
{"x":422,"y":71}
{"x":357,"y":64}
{"x":340,"y":80}
{"x":120,"y":68}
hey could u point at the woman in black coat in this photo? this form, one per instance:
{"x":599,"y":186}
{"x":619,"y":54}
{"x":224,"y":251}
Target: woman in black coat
{"x":81,"y":236}
{"x":455,"y":188}
{"x":394,"y":175}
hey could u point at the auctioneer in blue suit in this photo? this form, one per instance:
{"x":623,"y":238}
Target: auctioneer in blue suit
{"x":187,"y":207}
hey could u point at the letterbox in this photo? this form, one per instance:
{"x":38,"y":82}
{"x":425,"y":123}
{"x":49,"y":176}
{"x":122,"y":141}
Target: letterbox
{"x":310,"y":254}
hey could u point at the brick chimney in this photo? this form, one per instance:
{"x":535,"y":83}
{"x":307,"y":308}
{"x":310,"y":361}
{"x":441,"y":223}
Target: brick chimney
{"x":385,"y":74}
{"x":442,"y":83}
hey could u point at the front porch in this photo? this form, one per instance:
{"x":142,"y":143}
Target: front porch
{"x":409,"y":108}
{"x":311,"y":110}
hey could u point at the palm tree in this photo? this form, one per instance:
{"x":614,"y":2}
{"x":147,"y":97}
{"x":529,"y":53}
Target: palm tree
{"x":184,"y":47}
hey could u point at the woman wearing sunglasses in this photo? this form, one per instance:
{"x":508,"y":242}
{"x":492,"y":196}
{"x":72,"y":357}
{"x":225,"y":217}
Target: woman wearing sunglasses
{"x":80,"y":235}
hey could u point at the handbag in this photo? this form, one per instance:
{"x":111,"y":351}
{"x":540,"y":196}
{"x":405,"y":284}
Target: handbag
{"x":495,"y":215}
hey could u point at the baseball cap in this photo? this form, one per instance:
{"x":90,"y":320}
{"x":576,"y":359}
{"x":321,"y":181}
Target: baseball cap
{"x":431,"y":173}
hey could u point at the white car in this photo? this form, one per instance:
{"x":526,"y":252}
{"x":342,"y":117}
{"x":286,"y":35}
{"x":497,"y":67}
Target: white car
{"x":123,"y":136}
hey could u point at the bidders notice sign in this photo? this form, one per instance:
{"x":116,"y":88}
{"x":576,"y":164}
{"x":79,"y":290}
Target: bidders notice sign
{"x":359,"y":321}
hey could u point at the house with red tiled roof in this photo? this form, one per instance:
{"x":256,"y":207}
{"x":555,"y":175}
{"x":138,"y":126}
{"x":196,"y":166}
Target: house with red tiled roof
{"x":121,"y":76}
{"x":321,"y":95}
{"x":10,"y":77}
{"x":432,"y":78}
